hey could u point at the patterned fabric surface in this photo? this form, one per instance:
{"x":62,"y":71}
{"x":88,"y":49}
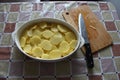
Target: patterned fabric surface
{"x":16,"y":66}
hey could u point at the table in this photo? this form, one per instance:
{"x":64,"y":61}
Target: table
{"x":16,"y":66}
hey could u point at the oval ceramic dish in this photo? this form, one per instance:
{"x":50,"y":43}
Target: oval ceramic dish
{"x":17,"y":33}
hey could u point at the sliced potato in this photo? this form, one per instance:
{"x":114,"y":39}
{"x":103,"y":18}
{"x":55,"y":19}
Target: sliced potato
{"x":62,"y":29}
{"x":43,"y":25}
{"x":46,"y":45}
{"x":37,"y":52}
{"x":28,"y":41}
{"x":29,"y":33}
{"x":67,"y":53}
{"x":37,"y":32}
{"x":69,"y":36}
{"x":54,"y":29}
{"x":56,"y":39}
{"x":58,"y":34}
{"x":27,"y":48}
{"x":35,"y":40}
{"x":73,"y":44}
{"x":54,"y":47}
{"x":64,"y":54}
{"x":47,"y":34}
{"x":54,"y":54}
{"x":45,"y":56}
{"x":22,"y":41}
{"x":64,"y":46}
{"x":34,"y":27}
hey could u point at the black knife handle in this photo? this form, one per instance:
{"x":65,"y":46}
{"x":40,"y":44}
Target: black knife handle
{"x":88,"y":55}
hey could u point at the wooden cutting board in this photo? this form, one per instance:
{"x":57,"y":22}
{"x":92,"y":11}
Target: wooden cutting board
{"x":98,"y":36}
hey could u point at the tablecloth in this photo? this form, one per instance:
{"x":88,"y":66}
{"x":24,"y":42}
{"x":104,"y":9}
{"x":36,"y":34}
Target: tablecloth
{"x":16,"y":66}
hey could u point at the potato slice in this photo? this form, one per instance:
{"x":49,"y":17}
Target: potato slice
{"x":34,"y":27}
{"x":54,"y":54}
{"x":69,"y":36}
{"x":64,"y":46}
{"x":46,"y":45}
{"x":54,"y":47}
{"x":22,"y":41}
{"x":67,"y":53}
{"x":45,"y":56}
{"x":54,"y":29}
{"x":27,"y":48}
{"x":35,"y":40}
{"x":64,"y":54}
{"x":28,"y":41}
{"x":29,"y":33}
{"x":62,"y":29}
{"x":47,"y":34}
{"x":56,"y":39}
{"x":43,"y":25}
{"x":37,"y":32}
{"x":73,"y":44}
{"x":37,"y":52}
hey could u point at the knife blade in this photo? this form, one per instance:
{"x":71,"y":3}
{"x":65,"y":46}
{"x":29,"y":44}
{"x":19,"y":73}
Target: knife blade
{"x":88,"y":53}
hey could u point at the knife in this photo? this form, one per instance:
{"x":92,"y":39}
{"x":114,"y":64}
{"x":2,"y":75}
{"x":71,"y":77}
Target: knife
{"x":83,"y":32}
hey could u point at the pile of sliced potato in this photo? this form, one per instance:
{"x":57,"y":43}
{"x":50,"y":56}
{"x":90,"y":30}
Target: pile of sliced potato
{"x":48,"y":40}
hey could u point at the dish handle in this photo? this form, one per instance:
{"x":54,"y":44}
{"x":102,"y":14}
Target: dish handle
{"x":13,"y":35}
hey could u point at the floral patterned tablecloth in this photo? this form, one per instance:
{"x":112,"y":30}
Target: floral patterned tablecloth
{"x":16,"y":66}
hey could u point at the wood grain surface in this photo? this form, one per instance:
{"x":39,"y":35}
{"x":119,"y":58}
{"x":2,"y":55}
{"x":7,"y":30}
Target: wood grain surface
{"x":98,"y":36}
